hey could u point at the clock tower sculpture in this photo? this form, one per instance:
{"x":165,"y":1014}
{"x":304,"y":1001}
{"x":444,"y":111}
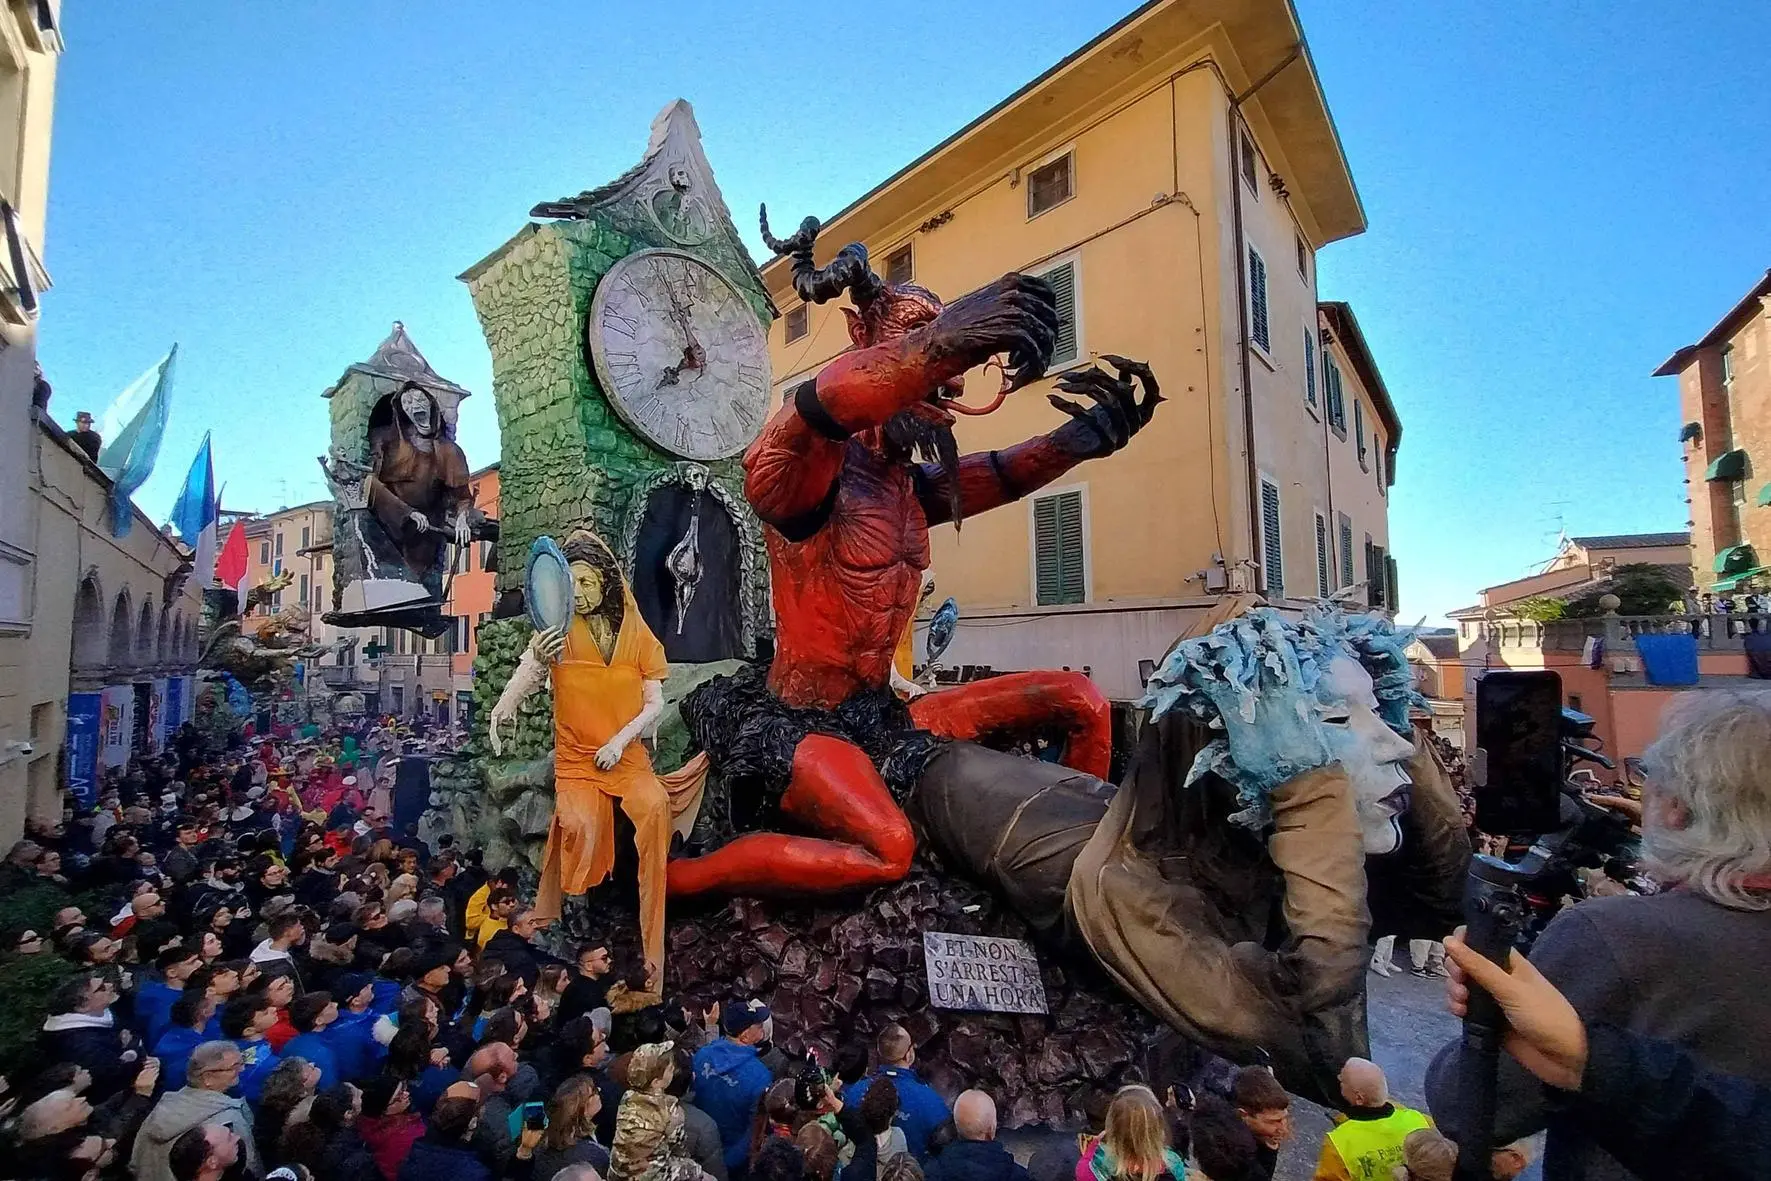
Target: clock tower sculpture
{"x":630,"y":368}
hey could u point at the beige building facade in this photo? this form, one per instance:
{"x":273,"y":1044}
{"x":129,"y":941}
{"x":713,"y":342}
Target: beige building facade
{"x":1173,"y":180}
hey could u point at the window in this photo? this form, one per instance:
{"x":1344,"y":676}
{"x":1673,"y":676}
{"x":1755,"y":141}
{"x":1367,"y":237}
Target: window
{"x":900,"y":265}
{"x":1250,"y":169}
{"x":1727,"y":364}
{"x":796,"y":323}
{"x":276,"y":566}
{"x":399,"y":701}
{"x":1322,"y":586}
{"x":1359,"y":432}
{"x":317,"y":599}
{"x":1309,"y":368}
{"x":1272,"y":541}
{"x":279,"y":543}
{"x":1258,"y":329}
{"x":1574,"y":703}
{"x":1050,"y":185}
{"x":1303,"y":258}
{"x":1069,"y":343}
{"x":1059,"y":555}
{"x":302,"y":593}
{"x":306,"y":536}
{"x":264,"y":553}
{"x":1377,"y":461}
{"x":1346,"y":529}
{"x":1376,"y":580}
{"x":1331,"y":388}
{"x":485,"y":555}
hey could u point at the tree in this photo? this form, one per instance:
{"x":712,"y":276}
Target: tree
{"x":1643,"y":588}
{"x":1540,"y":609}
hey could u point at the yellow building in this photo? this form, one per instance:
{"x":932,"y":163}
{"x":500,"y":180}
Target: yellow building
{"x":1173,"y":179}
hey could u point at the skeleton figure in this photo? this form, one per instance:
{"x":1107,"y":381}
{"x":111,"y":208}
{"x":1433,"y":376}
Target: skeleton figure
{"x":684,"y":560}
{"x":848,"y":478}
{"x":1230,"y":883}
{"x":418,"y":487}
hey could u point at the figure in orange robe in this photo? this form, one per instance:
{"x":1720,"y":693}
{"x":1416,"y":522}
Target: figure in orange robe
{"x":608,"y":671}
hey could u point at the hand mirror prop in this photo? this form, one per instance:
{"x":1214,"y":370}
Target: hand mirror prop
{"x":547,"y":586}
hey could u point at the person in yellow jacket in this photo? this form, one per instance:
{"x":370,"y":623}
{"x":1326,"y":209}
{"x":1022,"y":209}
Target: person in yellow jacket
{"x":501,"y":904}
{"x":608,"y":671}
{"x":477,"y":902}
{"x":1366,"y":1145}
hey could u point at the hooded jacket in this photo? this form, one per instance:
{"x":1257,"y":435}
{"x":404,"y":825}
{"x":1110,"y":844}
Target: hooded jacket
{"x":177,"y":1113}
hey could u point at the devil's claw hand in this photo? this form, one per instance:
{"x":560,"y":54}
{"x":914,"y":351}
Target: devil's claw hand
{"x":1118,"y":412}
{"x":1017,"y":315}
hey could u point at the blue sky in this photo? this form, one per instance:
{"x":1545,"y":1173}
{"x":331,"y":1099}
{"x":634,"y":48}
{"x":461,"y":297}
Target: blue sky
{"x":1559,"y":196}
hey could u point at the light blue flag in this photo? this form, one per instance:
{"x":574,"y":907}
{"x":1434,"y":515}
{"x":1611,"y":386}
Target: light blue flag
{"x":132,"y":428}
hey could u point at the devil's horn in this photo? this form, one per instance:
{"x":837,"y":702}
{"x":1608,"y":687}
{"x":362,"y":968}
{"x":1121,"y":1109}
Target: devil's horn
{"x":848,"y":271}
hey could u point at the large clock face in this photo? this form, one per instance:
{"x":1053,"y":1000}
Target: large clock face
{"x":680,"y":354}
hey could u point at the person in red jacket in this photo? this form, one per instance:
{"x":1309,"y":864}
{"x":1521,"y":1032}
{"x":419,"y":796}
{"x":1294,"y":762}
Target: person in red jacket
{"x":388,"y":1124}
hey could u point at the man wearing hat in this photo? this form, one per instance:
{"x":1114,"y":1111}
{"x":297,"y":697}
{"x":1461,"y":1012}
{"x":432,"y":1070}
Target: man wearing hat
{"x":84,"y":437}
{"x":730,"y":1077}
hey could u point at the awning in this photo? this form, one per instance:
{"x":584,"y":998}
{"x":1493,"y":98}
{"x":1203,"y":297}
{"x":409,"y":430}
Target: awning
{"x":1736,"y":559}
{"x":1765,"y":496}
{"x":1734,"y":581}
{"x":1730,"y":465}
{"x":1690,"y":431}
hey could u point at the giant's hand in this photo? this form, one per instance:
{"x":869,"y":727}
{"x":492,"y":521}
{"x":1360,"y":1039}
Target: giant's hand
{"x":1017,"y":315}
{"x":549,"y":645}
{"x":1117,"y":413}
{"x":529,"y":676}
{"x":463,"y":529}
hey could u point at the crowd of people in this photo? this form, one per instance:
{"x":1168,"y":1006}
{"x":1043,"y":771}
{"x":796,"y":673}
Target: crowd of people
{"x":257,"y":977}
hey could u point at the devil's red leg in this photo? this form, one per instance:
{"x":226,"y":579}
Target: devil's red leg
{"x":1026,"y":701}
{"x":836,"y":791}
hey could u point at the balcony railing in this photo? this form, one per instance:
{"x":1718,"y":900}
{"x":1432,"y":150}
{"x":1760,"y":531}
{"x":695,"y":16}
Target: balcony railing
{"x":1715,"y":633}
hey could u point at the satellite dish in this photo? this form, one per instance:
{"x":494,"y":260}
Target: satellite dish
{"x":941,"y":628}
{"x":547,"y":586}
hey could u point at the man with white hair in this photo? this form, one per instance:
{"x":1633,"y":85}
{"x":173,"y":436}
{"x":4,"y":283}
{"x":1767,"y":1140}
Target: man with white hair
{"x":1685,"y":965}
{"x":1368,"y":1139}
{"x":214,"y":1071}
{"x":976,"y":1155}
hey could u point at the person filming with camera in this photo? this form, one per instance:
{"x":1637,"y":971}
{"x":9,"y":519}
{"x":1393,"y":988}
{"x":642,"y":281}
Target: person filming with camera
{"x":1684,"y":967}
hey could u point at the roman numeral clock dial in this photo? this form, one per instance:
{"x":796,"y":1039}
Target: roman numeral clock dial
{"x":680,"y":355}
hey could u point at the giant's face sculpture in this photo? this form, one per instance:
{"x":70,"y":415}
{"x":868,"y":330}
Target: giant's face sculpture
{"x":420,"y":410}
{"x":1290,"y":696}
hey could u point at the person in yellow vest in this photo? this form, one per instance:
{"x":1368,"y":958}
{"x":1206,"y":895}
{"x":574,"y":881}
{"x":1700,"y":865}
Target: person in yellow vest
{"x":1366,"y":1145}
{"x":608,"y":671}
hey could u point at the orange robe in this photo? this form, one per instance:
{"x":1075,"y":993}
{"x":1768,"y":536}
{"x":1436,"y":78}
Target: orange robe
{"x":592,"y":701}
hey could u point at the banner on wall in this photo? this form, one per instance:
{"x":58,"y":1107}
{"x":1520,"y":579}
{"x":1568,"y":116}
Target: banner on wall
{"x":188,"y":698}
{"x":84,"y":711}
{"x":116,"y":725}
{"x":157,"y":724}
{"x":173,"y":711}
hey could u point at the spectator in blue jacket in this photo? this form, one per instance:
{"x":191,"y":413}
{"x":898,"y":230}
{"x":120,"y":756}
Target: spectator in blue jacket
{"x":155,"y":996}
{"x":312,"y":1014}
{"x":445,"y":1153}
{"x":730,"y":1078}
{"x":186,"y":1029}
{"x":352,"y":1036}
{"x":245,"y":1021}
{"x":920,"y":1107}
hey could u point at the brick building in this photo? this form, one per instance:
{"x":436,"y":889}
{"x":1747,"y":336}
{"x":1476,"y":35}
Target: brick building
{"x":1725,"y":408}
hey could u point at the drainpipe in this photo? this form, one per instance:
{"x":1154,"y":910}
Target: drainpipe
{"x":1242,"y":350}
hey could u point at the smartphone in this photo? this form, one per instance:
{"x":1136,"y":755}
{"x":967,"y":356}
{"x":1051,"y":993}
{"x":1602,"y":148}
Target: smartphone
{"x":1517,"y":768}
{"x":534,"y":1116}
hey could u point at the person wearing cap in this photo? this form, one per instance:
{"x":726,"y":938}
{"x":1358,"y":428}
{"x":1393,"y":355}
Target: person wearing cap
{"x":1426,"y":1156}
{"x":730,"y":1077}
{"x":352,"y":1036}
{"x":85,"y":438}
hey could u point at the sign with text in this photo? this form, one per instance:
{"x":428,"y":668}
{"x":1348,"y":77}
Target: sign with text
{"x":982,"y":972}
{"x":84,"y":711}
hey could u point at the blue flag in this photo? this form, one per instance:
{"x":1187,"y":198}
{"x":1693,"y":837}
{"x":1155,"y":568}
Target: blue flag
{"x":194,"y":515}
{"x":132,"y":428}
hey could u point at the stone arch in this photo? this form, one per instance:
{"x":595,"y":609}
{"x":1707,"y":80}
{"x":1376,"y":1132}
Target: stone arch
{"x":89,"y":623}
{"x":146,"y":633}
{"x":178,"y":650}
{"x":166,"y":644}
{"x":121,"y":650}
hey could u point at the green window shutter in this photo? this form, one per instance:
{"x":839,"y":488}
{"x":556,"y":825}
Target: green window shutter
{"x":1359,"y":428}
{"x":1730,"y":465}
{"x":1331,"y":381}
{"x":1321,"y":556}
{"x":1309,"y":367}
{"x":1272,"y":541}
{"x":1390,"y":592}
{"x":1346,"y":550}
{"x":1063,"y":285}
{"x":1058,"y":549}
{"x":1257,"y":300}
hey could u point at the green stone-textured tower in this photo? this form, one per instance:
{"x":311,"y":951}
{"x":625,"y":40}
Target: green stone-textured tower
{"x":574,"y":456}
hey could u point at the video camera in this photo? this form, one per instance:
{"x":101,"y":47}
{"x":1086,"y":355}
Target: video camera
{"x":1527,"y":742}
